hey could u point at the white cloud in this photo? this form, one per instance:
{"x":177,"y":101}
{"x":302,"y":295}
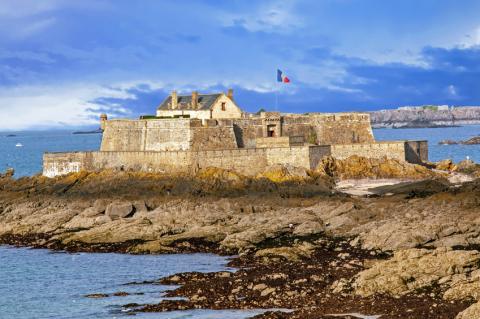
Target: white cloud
{"x":272,"y":17}
{"x":34,"y":27}
{"x":26,"y":55}
{"x":39,"y":106}
{"x":26,"y":8}
{"x":452,"y":91}
{"x":472,"y":39}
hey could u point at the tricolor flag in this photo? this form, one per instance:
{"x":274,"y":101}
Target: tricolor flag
{"x":282,"y":77}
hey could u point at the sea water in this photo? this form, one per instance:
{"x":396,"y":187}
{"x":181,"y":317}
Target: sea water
{"x":436,"y":151}
{"x":41,"y":284}
{"x":27,"y":158}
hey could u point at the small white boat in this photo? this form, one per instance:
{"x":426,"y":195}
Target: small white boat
{"x":19,"y":145}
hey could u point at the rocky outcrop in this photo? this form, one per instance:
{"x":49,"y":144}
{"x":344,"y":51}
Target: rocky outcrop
{"x":472,"y":312}
{"x":284,"y":218}
{"x":119,"y":210}
{"x":471,"y":141}
{"x":413,"y":269}
{"x":447,"y":142}
{"x":356,"y":167}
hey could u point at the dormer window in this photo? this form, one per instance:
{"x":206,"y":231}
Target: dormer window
{"x":224,"y":106}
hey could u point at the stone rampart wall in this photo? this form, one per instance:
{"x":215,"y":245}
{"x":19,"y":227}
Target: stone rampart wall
{"x":395,"y":150}
{"x":212,"y":138}
{"x":282,"y":141}
{"x":416,"y":151}
{"x":146,"y":135}
{"x":244,"y":161}
{"x":317,"y":153}
{"x":167,"y":135}
{"x":320,"y":129}
{"x":342,"y":128}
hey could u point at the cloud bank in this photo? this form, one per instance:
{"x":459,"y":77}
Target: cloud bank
{"x":63,"y":63}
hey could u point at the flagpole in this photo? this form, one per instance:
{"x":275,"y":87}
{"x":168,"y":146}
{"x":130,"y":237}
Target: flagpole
{"x":276,"y":94}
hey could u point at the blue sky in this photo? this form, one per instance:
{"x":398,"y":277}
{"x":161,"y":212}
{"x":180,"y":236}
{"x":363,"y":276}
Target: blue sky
{"x":64,"y":62}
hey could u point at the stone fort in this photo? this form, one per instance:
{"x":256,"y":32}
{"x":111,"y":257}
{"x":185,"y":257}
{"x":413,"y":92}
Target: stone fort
{"x":195,"y":131}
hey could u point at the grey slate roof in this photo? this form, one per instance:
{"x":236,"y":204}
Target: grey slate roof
{"x":205,"y":102}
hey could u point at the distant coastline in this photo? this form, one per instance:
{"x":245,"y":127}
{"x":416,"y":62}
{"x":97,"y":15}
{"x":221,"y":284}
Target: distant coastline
{"x":426,"y":117}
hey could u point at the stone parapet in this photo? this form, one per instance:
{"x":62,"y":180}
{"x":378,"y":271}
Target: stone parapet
{"x":244,"y":161}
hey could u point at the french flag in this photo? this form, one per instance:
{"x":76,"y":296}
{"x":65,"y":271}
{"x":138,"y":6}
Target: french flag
{"x":282,"y":77}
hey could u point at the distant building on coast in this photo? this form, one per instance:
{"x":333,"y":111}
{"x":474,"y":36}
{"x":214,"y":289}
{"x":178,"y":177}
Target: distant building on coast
{"x":425,"y":107}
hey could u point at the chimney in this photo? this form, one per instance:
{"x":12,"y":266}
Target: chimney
{"x":103,"y":120}
{"x":174,"y":100}
{"x":230,"y":94}
{"x":194,"y":99}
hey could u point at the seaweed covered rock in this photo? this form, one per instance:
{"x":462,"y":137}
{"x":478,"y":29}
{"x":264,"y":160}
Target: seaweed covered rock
{"x":445,"y":165}
{"x":357,"y":167}
{"x":471,"y":141}
{"x":285,"y":173}
{"x":472,"y":312}
{"x":413,"y":269}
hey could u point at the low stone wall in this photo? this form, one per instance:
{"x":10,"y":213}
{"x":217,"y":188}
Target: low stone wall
{"x":244,"y":161}
{"x":410,"y":151}
{"x":282,"y":141}
{"x":416,"y":151}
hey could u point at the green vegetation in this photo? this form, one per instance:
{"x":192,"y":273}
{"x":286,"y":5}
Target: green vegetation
{"x":430,"y":107}
{"x":260,"y":111}
{"x":153,"y":117}
{"x":312,"y":137}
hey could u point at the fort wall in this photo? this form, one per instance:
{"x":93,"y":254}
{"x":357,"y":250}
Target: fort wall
{"x":244,"y":161}
{"x":410,"y":151}
{"x":319,"y":129}
{"x":342,"y":128}
{"x":167,"y":135}
{"x":213,"y":135}
{"x":416,"y":151}
{"x":146,"y":135}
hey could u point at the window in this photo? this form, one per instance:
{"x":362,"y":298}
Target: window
{"x":223,"y":106}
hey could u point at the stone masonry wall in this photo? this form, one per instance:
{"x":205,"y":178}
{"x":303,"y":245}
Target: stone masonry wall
{"x":244,"y":161}
{"x":394,"y":150}
{"x":167,"y":135}
{"x":416,"y":151}
{"x":320,"y":129}
{"x":342,"y":128}
{"x":146,"y":135}
{"x":317,"y":153}
{"x":283,"y":141}
{"x":212,"y":138}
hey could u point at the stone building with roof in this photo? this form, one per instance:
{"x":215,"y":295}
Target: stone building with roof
{"x":200,"y":106}
{"x":192,"y":132}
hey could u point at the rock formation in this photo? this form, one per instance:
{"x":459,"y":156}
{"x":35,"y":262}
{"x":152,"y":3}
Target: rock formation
{"x":302,"y":244}
{"x":396,"y":118}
